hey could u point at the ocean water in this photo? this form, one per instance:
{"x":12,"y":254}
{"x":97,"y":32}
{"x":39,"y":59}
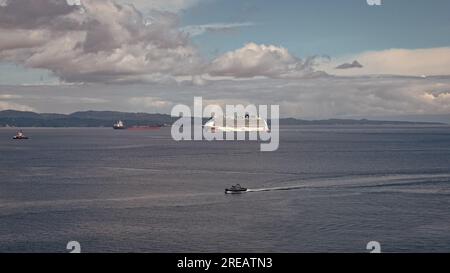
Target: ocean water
{"x":327,"y":189}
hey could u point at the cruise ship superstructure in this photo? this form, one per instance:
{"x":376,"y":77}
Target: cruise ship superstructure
{"x":237,"y":124}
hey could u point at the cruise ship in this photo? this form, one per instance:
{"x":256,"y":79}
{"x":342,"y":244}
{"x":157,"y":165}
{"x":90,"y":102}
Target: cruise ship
{"x":246,"y":123}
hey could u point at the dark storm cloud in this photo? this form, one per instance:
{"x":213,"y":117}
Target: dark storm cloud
{"x":354,"y":64}
{"x":32,"y":14}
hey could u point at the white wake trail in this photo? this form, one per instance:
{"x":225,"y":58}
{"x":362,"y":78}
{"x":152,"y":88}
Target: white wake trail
{"x":277,"y":188}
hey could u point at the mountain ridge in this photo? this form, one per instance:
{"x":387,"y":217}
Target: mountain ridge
{"x":92,"y":118}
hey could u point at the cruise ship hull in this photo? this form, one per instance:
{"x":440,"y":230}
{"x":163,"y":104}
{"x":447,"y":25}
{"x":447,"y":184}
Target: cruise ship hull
{"x":227,"y":191}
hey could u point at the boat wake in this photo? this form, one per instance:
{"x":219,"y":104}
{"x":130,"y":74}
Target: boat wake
{"x":277,"y":188}
{"x":367,"y":183}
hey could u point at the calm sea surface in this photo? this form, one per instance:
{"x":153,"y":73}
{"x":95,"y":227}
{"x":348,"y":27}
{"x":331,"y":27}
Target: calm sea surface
{"x":327,"y":189}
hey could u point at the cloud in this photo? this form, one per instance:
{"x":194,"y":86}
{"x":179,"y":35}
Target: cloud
{"x":354,"y":64}
{"x":24,"y":14}
{"x":195,"y":30}
{"x":341,"y":97}
{"x":9,"y":96}
{"x":437,"y":98}
{"x":406,"y":62}
{"x":101,"y":41}
{"x":98,"y":41}
{"x":150,"y":104}
{"x":5,"y":105}
{"x":254,"y":60}
{"x":311,"y":98}
{"x":161,"y":5}
{"x":80,"y":100}
{"x":149,"y":101}
{"x":20,"y":39}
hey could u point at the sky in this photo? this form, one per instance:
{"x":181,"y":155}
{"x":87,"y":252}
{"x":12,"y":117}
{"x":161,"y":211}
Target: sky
{"x":316,"y":59}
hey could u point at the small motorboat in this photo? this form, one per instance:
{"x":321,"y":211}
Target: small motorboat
{"x":235,"y":189}
{"x":20,"y":135}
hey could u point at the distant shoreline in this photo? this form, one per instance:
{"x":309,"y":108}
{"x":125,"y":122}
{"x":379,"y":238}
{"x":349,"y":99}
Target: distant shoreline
{"x":99,"y":119}
{"x":347,"y":126}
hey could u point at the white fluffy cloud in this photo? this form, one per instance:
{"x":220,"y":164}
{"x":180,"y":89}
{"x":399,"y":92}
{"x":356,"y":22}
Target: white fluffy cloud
{"x":406,"y":62}
{"x":101,"y":41}
{"x":260,"y":60}
{"x":97,"y":41}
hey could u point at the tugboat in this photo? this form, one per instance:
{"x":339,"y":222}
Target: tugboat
{"x":236,"y":189}
{"x":119,"y":125}
{"x":20,"y":135}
